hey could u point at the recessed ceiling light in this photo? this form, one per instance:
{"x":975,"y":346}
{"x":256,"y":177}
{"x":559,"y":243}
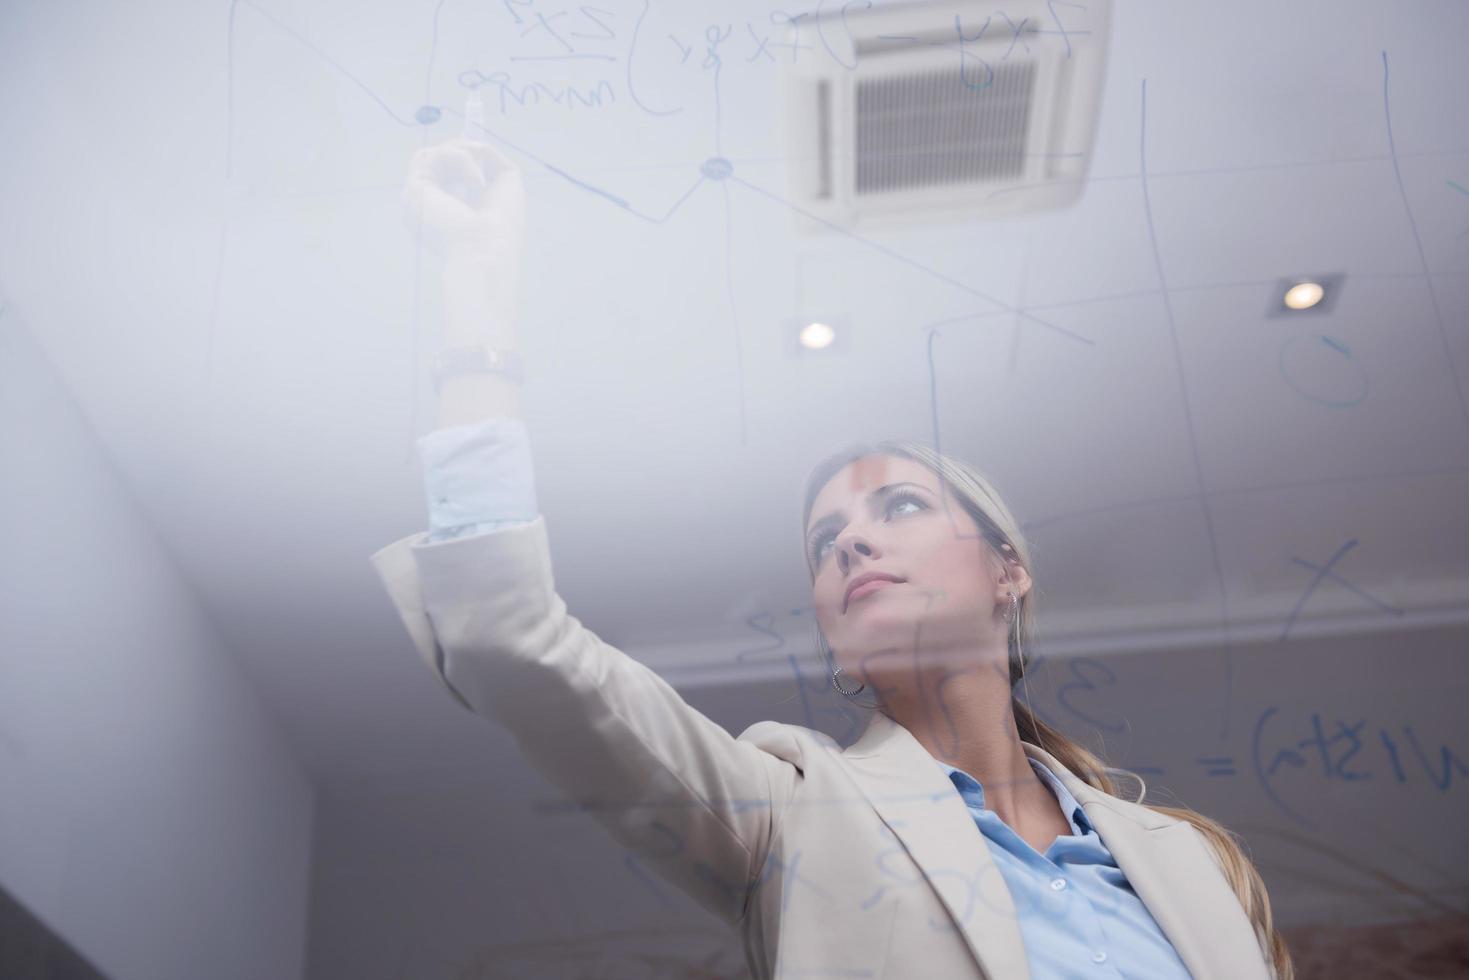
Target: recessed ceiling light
{"x":1304,"y":295}
{"x":1309,"y":294}
{"x":815,"y":336}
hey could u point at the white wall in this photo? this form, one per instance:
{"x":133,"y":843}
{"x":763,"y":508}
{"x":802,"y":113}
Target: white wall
{"x":150,"y":812}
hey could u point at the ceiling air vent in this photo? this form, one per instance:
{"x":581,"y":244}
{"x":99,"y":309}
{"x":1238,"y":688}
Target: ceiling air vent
{"x":935,"y":111}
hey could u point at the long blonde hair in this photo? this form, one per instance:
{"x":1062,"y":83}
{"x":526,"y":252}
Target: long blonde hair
{"x":979,"y":498}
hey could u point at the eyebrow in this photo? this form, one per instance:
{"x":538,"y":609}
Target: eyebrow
{"x":835,"y":517}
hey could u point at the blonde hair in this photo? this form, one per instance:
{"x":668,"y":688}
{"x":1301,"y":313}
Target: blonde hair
{"x":979,"y":498}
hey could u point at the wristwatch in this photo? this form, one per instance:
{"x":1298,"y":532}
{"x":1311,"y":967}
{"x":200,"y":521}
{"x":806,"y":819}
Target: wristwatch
{"x":477,"y":359}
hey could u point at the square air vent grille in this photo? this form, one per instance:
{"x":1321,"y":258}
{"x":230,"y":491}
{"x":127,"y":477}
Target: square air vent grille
{"x":962,"y":109}
{"x":935,"y":127}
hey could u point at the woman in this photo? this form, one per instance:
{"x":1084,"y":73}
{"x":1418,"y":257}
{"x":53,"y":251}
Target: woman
{"x":957,"y":837}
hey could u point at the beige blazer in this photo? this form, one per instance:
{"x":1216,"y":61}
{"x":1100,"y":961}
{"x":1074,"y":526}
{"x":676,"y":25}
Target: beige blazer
{"x":860,"y":863}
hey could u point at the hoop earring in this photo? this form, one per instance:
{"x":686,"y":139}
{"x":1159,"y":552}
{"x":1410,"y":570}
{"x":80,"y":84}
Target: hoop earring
{"x":836,"y":683}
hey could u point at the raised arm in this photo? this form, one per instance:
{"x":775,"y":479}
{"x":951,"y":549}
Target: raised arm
{"x":695,"y":803}
{"x":466,"y":201}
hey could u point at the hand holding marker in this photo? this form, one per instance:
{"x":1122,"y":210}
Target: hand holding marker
{"x":467,"y":196}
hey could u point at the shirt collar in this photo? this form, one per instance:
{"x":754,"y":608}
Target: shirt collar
{"x":973,"y":793}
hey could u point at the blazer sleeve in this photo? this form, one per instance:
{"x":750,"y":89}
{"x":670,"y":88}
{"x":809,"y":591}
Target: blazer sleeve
{"x":696,"y":804}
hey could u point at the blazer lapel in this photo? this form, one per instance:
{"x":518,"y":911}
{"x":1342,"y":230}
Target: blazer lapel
{"x":1168,"y":863}
{"x":928,"y":817}
{"x":1172,"y":868}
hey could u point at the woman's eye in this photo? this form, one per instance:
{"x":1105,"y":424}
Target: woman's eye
{"x":905,"y":498}
{"x":819,"y":551}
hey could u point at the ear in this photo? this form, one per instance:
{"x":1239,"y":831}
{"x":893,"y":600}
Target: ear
{"x":1014,"y":578}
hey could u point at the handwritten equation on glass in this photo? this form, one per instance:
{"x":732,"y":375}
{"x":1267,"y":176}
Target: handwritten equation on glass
{"x":621,"y":42}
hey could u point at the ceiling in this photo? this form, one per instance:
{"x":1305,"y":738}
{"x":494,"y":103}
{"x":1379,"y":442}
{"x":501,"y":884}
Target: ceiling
{"x":202,"y":225}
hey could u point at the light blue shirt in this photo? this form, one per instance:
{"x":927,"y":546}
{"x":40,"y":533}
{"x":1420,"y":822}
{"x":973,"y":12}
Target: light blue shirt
{"x":477,"y":477}
{"x":1079,"y":916}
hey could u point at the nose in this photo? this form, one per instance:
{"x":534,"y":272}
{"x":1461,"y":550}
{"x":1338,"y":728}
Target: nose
{"x":851,"y":542}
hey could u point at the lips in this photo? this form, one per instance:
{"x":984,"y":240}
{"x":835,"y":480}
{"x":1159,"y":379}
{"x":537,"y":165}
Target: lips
{"x":863,"y":584}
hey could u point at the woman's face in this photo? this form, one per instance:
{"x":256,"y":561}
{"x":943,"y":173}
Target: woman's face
{"x":884,"y":515}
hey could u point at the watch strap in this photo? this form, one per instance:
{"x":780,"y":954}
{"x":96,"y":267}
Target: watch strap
{"x":477,"y":359}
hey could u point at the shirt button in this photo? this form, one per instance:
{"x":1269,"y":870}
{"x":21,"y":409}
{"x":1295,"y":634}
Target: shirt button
{"x":1058,"y":883}
{"x":1100,"y":956}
